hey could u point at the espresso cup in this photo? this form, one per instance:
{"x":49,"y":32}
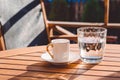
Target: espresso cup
{"x":60,"y":50}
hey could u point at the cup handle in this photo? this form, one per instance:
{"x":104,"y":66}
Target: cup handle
{"x":47,"y":49}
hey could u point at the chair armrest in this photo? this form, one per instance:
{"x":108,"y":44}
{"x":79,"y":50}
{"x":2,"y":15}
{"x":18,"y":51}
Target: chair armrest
{"x":78,"y":24}
{"x":110,"y":39}
{"x":73,"y":24}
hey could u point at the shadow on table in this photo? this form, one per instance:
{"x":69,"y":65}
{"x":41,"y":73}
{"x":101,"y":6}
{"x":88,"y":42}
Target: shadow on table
{"x":47,"y":71}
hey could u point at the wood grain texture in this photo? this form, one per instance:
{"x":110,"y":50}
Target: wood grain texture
{"x":26,"y":64}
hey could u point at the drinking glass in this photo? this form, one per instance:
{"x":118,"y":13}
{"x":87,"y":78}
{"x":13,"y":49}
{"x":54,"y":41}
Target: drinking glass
{"x":91,"y":42}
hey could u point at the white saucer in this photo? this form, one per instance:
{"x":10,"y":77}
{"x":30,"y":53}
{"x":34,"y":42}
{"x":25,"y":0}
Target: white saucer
{"x":72,"y":58}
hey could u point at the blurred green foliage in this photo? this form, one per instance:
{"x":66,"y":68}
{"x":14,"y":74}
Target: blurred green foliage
{"x":93,"y":12}
{"x":59,"y":10}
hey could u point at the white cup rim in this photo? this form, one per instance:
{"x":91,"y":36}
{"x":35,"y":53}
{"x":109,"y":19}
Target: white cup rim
{"x":60,"y":41}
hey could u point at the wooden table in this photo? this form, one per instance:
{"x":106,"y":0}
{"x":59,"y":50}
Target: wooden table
{"x":26,"y":64}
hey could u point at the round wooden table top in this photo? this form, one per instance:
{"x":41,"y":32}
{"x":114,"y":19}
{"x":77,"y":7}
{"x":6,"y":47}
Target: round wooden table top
{"x":26,"y":64}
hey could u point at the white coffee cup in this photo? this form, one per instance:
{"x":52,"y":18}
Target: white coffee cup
{"x":60,"y":50}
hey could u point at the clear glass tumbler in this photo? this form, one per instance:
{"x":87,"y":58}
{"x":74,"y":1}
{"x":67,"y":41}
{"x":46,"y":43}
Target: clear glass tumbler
{"x":91,"y":42}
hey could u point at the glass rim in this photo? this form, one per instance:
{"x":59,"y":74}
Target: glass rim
{"x":83,"y":28}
